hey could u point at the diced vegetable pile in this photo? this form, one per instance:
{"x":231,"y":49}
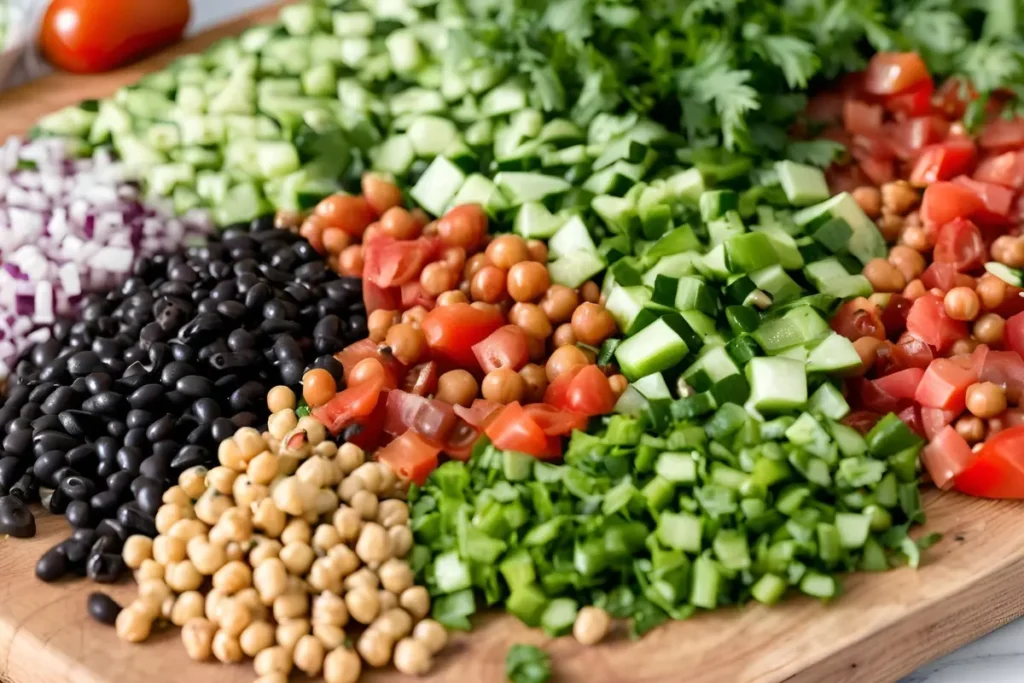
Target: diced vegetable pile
{"x":664,"y":306}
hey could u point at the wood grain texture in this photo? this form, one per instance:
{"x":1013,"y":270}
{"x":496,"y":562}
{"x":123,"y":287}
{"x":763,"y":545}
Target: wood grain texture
{"x":884,"y":626}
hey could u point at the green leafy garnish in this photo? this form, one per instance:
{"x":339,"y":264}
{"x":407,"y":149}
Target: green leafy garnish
{"x":527,"y":664}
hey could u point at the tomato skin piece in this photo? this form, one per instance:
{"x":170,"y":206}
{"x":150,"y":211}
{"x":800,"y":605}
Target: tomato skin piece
{"x":1002,"y":134}
{"x":413,"y":294}
{"x":998,"y":200}
{"x":917,"y":101}
{"x":861,"y":420}
{"x":506,"y":347}
{"x":944,"y":385}
{"x":901,"y":384}
{"x":934,"y":420}
{"x":371,"y":435}
{"x":997,"y":470}
{"x":452,"y":331}
{"x":946,"y":456}
{"x":90,"y":36}
{"x":480,"y":414}
{"x":911,"y":136}
{"x":959,"y":243}
{"x":929,"y":322}
{"x":858,"y":318}
{"x":943,"y":161}
{"x":421,"y":379}
{"x":349,"y":405}
{"x":866,"y":395}
{"x":514,"y":430}
{"x":388,"y":262}
{"x":911,"y":416}
{"x":894,"y":315}
{"x":432,"y":419}
{"x":1005,"y":368}
{"x":410,"y":457}
{"x":940,"y":274}
{"x":589,"y":393}
{"x":1006,"y":169}
{"x":889,"y":73}
{"x":555,"y":421}
{"x":374,"y":297}
{"x":1013,"y":334}
{"x":460,"y":444}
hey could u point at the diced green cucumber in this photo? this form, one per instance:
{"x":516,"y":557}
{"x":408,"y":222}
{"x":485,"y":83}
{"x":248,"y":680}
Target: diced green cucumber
{"x":653,"y":386}
{"x":748,"y":252}
{"x":798,"y":326}
{"x":348,"y":24}
{"x":479,"y":189}
{"x":785,"y":246}
{"x":802,"y":184}
{"x":507,"y":98}
{"x":715,"y":363}
{"x":674,"y":266}
{"x":686,"y":185}
{"x":431,"y":135}
{"x":438,"y":184}
{"x":570,"y":239}
{"x":716,"y":203}
{"x":776,"y":384}
{"x":404,"y":50}
{"x":625,"y":304}
{"x":394,"y":155}
{"x":833,"y":234}
{"x":525,"y":187}
{"x":575,"y":269}
{"x":866,"y":242}
{"x":655,"y":348}
{"x":70,"y":122}
{"x":835,"y":353}
{"x":828,"y":401}
{"x":241,"y":204}
{"x":1011,"y":276}
{"x":777,"y":283}
{"x":680,"y":531}
{"x":162,"y":179}
{"x":534,"y":221}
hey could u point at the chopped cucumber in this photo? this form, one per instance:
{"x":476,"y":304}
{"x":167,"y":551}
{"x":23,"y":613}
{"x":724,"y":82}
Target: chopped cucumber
{"x":776,"y":384}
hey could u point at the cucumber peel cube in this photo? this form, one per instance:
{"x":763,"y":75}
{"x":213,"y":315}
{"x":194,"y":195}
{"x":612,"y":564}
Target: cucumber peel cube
{"x":438,"y":184}
{"x":655,"y":348}
{"x":776,"y":384}
{"x":802,"y":184}
{"x":834,"y":354}
{"x":866,"y":242}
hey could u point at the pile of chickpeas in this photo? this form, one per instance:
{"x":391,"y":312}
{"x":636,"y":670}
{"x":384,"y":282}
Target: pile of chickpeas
{"x":285,"y":551}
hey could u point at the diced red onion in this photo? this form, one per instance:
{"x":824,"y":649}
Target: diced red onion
{"x":69,"y":227}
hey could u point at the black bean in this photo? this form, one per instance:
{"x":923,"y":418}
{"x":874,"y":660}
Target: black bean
{"x":77,"y":487}
{"x":30,"y":411}
{"x":119,"y":482}
{"x":82,"y":457}
{"x":166,"y":448}
{"x":78,"y":513}
{"x":53,"y":565}
{"x":19,"y":442}
{"x":80,"y":386}
{"x":106,"y":348}
{"x":41,"y":391}
{"x":238,"y":359}
{"x":18,"y":424}
{"x":106,"y":447}
{"x":177,"y":399}
{"x":113,"y":528}
{"x":206,"y":410}
{"x":75,"y":550}
{"x":104,"y":403}
{"x":84,"y":362}
{"x":103,"y":608}
{"x":15,"y":518}
{"x":147,"y":395}
{"x":136,"y":438}
{"x":157,"y":466}
{"x":131,"y":517}
{"x":106,"y":468}
{"x":129,"y":459}
{"x":190,"y":456}
{"x":57,"y":502}
{"x":149,"y":496}
{"x":286,"y":348}
{"x":138,"y":418}
{"x":221,"y":429}
{"x":46,"y":465}
{"x":11,"y":469}
{"x":26,"y":488}
{"x":160,"y":428}
{"x":240,"y":340}
{"x":249,"y":395}
{"x":194,"y":386}
{"x":333,"y":366}
{"x":79,"y":423}
{"x":46,"y":422}
{"x":291,"y":371}
{"x":53,"y":440}
{"x":257,"y":295}
{"x":98,"y":382}
{"x":115,"y":365}
{"x":44,"y":353}
{"x":105,"y":567}
{"x":183,"y":353}
{"x":104,"y":503}
{"x":350,"y":432}
{"x":329,"y":326}
{"x":117,"y":429}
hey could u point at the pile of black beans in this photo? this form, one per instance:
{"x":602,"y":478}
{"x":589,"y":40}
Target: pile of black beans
{"x":99,"y":421}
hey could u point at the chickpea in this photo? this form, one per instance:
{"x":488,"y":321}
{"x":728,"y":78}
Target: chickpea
{"x":563,"y":336}
{"x":290,"y":606}
{"x":535,"y":381}
{"x":528,"y":281}
{"x":289,"y":631}
{"x":869,"y":199}
{"x":312,"y":230}
{"x":183,"y":576}
{"x":296,"y":531}
{"x":257,"y":637}
{"x":400,"y":539}
{"x":133,"y":624}
{"x":324,"y":576}
{"x":457,"y":387}
{"x":564,"y":359}
{"x":395,"y":575}
{"x":379,"y":322}
{"x":348,"y":522}
{"x":986,"y":399}
{"x":914,"y":290}
{"x":488,"y":284}
{"x":590,"y":292}
{"x":908,"y":261}
{"x":349,"y":487}
{"x":294,"y":496}
{"x":618,"y":383}
{"x":538,"y":251}
{"x":991,"y":291}
{"x":350,"y":261}
{"x":438,"y":277}
{"x":329,"y":608}
{"x":136,"y":549}
{"x":387,"y":599}
{"x":899,"y":197}
{"x":342,"y":665}
{"x":211,"y":505}
{"x":1009,"y":250}
{"x":363,"y":604}
{"x":963,"y":346}
{"x":415,"y":601}
{"x":432,"y":634}
{"x":271,"y":579}
{"x":451,"y":298}
{"x":971,"y":428}
{"x":962,"y":303}
{"x":412,"y":657}
{"x":309,"y":655}
{"x":399,"y":224}
{"x":989,"y":328}
{"x":370,"y":475}
{"x":233,"y":577}
{"x":372,"y":546}
{"x":917,"y":239}
{"x":187,"y":606}
{"x":187,"y":529}
{"x":274,"y":659}
{"x":375,"y":647}
{"x":365,"y":370}
{"x":347,"y":562}
{"x":221,"y":479}
{"x":867,"y":349}
{"x":884,"y":276}
{"x":330,"y":637}
{"x":365,"y":503}
{"x":558,"y":303}
{"x":473,"y":265}
{"x":503,"y":385}
{"x":264,"y":550}
{"x":298,"y":558}
{"x":532,"y":320}
{"x":207,"y":557}
{"x":394,"y":622}
{"x":591,"y":625}
{"x":197,"y":637}
{"x":176,"y":496}
{"x":149,"y":569}
{"x":250,"y":442}
{"x":350,"y":457}
{"x":392,"y":512}
{"x":407,"y":343}
{"x":318,"y":387}
{"x":349,"y":212}
{"x":463,"y":226}
{"x":336,"y":240}
{"x":380,"y":193}
{"x":505,"y":251}
{"x":592,"y":324}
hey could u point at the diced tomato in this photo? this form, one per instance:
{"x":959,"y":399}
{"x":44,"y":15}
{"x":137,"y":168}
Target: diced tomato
{"x":997,"y":470}
{"x":959,"y":243}
{"x":894,"y":315}
{"x":826,"y":107}
{"x":845,"y":177}
{"x":953,"y":96}
{"x":349,"y":405}
{"x":1013,"y":333}
{"x":385,"y":298}
{"x":1002,"y":134}
{"x":430,"y":418}
{"x":911,"y":352}
{"x":866,"y":395}
{"x":514,"y":430}
{"x":929,"y":322}
{"x":410,"y":456}
{"x":916,"y":101}
{"x":414,"y":295}
{"x":911,"y":416}
{"x":587,"y":392}
{"x":371,"y":428}
{"x":901,"y":384}
{"x":421,"y":379}
{"x":367,"y":348}
{"x":912,"y":135}
{"x":480,"y":414}
{"x":941,"y":275}
{"x":1005,"y":368}
{"x":943,"y":161}
{"x":1006,"y":169}
{"x":876,"y":146}
{"x":889,"y":73}
{"x":555,"y":421}
{"x":946,"y":456}
{"x":944,"y":385}
{"x":997,"y":199}
{"x":861,"y":420}
{"x":858,"y":318}
{"x":862,"y":118}
{"x":389,"y":262}
{"x":878,"y":170}
{"x":506,"y":347}
{"x":933,"y":420}
{"x":452,"y":331}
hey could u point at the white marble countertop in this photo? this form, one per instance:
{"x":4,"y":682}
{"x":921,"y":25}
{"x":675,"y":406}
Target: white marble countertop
{"x":996,"y":658}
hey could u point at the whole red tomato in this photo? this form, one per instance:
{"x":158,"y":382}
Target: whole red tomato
{"x":89,"y":36}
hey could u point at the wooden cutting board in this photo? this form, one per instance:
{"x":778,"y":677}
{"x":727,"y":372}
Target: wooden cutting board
{"x":885,"y":625}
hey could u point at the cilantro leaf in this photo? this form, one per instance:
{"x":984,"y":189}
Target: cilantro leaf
{"x":527,"y":664}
